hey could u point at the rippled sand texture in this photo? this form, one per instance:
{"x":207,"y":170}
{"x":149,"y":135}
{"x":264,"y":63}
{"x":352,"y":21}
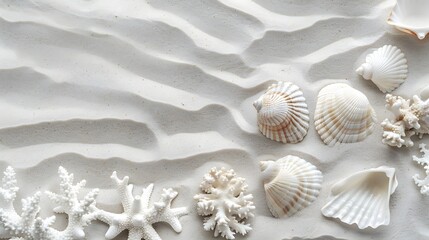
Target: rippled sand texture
{"x":162,"y":91}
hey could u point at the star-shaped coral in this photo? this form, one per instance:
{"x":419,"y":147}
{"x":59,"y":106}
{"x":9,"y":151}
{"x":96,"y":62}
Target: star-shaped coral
{"x":28,"y":226}
{"x":224,"y":203}
{"x":409,"y":120}
{"x":423,"y":183}
{"x":138,"y":216}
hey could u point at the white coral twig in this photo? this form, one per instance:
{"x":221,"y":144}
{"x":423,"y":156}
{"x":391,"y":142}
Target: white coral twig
{"x":80,"y":212}
{"x":423,"y":183}
{"x":29,"y":226}
{"x":224,"y":203}
{"x":138,"y":216}
{"x":409,"y":120}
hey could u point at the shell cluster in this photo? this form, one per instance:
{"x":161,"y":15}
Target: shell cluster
{"x":363,"y":198}
{"x":282,"y":113}
{"x":386,"y":67}
{"x":290,"y":184}
{"x":343,"y":115}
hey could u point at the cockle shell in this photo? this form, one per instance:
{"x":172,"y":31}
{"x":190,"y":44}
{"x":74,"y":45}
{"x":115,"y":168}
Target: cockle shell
{"x":386,"y":67}
{"x":290,"y":184}
{"x":343,"y":115}
{"x":363,"y":198}
{"x":282,"y":113}
{"x":411,"y":16}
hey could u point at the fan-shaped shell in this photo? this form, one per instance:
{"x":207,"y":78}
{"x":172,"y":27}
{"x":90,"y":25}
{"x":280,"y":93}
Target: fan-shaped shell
{"x":411,"y":16}
{"x":290,"y":184}
{"x":386,"y":67}
{"x":282,"y":113}
{"x":363,"y":198}
{"x":343,"y":115}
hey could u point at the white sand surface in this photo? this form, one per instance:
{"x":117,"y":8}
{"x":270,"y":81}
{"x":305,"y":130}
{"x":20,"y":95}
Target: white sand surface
{"x":162,"y":91}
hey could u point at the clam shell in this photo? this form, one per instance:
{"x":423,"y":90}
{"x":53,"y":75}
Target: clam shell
{"x":411,"y":16}
{"x":386,"y":67}
{"x":343,"y":115}
{"x":290,"y":184}
{"x":282,"y":113}
{"x":363,"y":198}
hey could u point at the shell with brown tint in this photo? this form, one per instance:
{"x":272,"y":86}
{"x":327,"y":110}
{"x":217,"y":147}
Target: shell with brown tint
{"x":411,"y":16}
{"x":290,"y":184}
{"x":343,"y":115}
{"x":282,"y":113}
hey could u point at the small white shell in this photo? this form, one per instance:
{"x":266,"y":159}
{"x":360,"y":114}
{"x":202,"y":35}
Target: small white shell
{"x":386,"y":67}
{"x":411,"y":16}
{"x":290,"y":184}
{"x":343,"y":115}
{"x":363,"y":198}
{"x":282,"y":113}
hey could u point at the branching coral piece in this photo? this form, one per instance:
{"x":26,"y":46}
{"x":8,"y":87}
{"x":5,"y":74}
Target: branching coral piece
{"x":28,"y":226}
{"x":409,"y":120}
{"x":80,"y":212}
{"x":225,"y":204}
{"x":424,"y":161}
{"x":138,"y":217}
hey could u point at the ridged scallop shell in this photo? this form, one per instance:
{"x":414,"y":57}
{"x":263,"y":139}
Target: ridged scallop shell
{"x":411,"y":16}
{"x":290,"y":184}
{"x":386,"y":67}
{"x":282,"y":113}
{"x":343,"y":115}
{"x":363,"y":198}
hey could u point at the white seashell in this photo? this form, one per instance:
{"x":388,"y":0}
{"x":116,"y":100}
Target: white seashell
{"x":386,"y":67}
{"x":363,"y":198}
{"x":411,"y":16}
{"x":282,"y":113}
{"x":291,"y":184}
{"x":343,"y":115}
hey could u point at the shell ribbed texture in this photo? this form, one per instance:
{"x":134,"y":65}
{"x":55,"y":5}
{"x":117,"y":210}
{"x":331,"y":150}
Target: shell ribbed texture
{"x":343,"y":115}
{"x":290,"y":184}
{"x":363,"y":199}
{"x":283,"y":115}
{"x":386,"y":67}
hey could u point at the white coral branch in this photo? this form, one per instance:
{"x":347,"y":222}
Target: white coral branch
{"x":29,"y":226}
{"x":409,"y":120}
{"x":80,"y":212}
{"x":9,"y":189}
{"x":224,"y":203}
{"x":138,"y":216}
{"x":423,"y":183}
